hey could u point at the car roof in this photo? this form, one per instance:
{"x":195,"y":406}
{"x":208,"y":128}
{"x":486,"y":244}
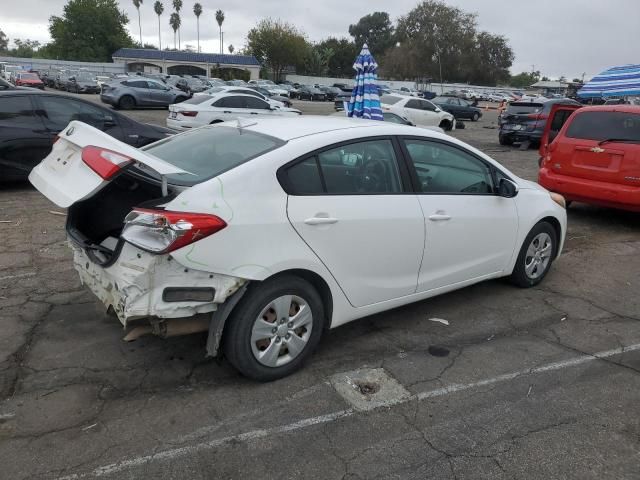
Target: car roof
{"x":290,"y":128}
{"x":612,"y":108}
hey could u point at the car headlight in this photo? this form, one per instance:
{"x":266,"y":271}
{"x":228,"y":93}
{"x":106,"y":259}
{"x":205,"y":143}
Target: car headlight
{"x":559,"y":199}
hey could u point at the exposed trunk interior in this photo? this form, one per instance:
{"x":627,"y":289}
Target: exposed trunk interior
{"x":96,"y":223}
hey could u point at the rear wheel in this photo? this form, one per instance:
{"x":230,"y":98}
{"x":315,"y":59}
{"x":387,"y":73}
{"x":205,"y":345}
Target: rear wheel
{"x":536,"y":256}
{"x":274,"y":329}
{"x":476,"y":117}
{"x":127,"y":102}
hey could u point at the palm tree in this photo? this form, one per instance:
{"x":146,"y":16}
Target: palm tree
{"x":231,"y":49}
{"x":137,"y":3}
{"x":159,"y":8}
{"x":220,"y":19}
{"x":177,"y":5}
{"x":197,"y":11}
{"x":174,"y":21}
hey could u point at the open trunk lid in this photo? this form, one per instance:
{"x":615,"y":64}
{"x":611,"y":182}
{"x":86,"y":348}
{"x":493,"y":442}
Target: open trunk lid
{"x":65,"y":177}
{"x":558,"y":116}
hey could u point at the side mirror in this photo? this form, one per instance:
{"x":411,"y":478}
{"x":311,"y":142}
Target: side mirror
{"x":507,"y":188}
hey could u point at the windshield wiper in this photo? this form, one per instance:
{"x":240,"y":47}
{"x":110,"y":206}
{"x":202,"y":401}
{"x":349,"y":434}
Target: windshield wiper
{"x":609,"y":140}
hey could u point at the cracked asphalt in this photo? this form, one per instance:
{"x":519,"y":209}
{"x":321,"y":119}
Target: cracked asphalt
{"x":521,"y":384}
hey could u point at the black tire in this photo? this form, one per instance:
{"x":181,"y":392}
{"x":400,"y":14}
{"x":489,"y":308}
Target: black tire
{"x":127,"y":102}
{"x":504,"y":140}
{"x":519,"y":276}
{"x":236,"y":341}
{"x":476,"y":117}
{"x":446,"y":125}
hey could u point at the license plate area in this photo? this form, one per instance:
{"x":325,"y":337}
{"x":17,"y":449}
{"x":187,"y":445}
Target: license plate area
{"x":173,"y":115}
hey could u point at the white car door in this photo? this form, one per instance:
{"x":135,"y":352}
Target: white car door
{"x":351,"y":206}
{"x":470,"y":230}
{"x":228,"y":108}
{"x":420,"y":113}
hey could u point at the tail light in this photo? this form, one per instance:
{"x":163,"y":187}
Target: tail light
{"x":105,"y":163}
{"x":538,"y":116}
{"x":188,"y":113}
{"x":161,"y":231}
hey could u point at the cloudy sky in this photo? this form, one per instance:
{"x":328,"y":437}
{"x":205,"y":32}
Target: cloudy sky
{"x":559,"y":37}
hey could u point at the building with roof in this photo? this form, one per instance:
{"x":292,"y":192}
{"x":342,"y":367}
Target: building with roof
{"x":190,"y":63}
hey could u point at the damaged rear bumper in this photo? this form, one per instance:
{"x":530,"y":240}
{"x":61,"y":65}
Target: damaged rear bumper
{"x":136,"y":285}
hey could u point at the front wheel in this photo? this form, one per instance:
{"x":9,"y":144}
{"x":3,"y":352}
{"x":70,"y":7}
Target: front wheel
{"x":536,"y":256}
{"x":127,"y":103}
{"x":274,"y":329}
{"x":475,"y":117}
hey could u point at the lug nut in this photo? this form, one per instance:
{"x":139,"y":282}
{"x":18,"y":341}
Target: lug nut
{"x":277,"y":339}
{"x":290,"y":325}
{"x":287,"y":336}
{"x":282,"y":320}
{"x":274,"y":330}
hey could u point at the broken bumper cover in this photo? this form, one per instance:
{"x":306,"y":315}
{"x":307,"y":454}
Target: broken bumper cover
{"x":134,"y":285}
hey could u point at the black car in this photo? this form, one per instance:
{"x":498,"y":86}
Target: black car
{"x":30,"y":120}
{"x":82,"y":82}
{"x":525,"y":121}
{"x":311,"y":93}
{"x":330,"y":92}
{"x":458,"y":107}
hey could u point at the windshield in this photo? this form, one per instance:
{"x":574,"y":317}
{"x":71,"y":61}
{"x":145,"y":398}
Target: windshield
{"x":605,"y":125}
{"x":389,"y":99}
{"x":209,"y":151}
{"x":84,"y":77}
{"x":29,"y":76}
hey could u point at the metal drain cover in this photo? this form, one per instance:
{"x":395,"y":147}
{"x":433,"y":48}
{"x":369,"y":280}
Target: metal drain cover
{"x":369,"y":388}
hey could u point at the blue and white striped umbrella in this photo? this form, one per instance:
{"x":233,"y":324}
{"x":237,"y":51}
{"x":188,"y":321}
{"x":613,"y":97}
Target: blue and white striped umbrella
{"x":365,"y":101}
{"x":615,"y":82}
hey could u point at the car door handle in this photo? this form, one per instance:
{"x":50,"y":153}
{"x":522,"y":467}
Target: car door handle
{"x":320,"y":221}
{"x":254,"y":113}
{"x":227,"y":111}
{"x":439,"y":217}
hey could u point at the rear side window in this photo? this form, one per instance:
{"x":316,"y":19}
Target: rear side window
{"x":135,"y":83}
{"x":366,"y":167}
{"x":16,"y":111}
{"x":230,"y":102}
{"x":207,"y":152}
{"x":197,"y":100}
{"x":390,"y":99}
{"x":605,"y":125}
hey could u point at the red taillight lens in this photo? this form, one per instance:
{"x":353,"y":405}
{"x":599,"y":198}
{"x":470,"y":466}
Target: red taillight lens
{"x":104,"y":162}
{"x":188,"y":113}
{"x":163,"y":231}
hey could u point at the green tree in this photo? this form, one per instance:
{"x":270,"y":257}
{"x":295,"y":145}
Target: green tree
{"x":177,"y":5}
{"x":197,"y":11}
{"x":88,"y":30}
{"x":344,"y":54}
{"x":439,"y":41}
{"x":174,"y":21}
{"x":277,"y":45}
{"x":159,"y":9}
{"x":376,"y":30}
{"x":524,"y":79}
{"x":220,"y":20}
{"x":317,"y":59}
{"x":137,"y":3}
{"x":4,"y":41}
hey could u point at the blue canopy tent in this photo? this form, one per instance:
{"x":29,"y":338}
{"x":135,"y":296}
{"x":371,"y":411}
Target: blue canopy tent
{"x":365,"y":101}
{"x":615,"y":82}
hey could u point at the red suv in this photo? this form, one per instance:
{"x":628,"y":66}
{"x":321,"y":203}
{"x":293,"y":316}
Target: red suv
{"x":592,"y":155}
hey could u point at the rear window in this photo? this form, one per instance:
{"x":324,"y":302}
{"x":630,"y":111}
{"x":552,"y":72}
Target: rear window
{"x":520,"y":107}
{"x":210,"y":151}
{"x":390,"y":99}
{"x":198,"y":99}
{"x":605,"y":125}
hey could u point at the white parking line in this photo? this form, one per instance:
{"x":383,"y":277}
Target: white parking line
{"x":173,"y":453}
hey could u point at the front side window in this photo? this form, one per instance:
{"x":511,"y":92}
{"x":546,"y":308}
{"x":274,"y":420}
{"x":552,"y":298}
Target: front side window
{"x":256,"y":103}
{"x":367,"y":167}
{"x":445,"y":169}
{"x":414,"y":103}
{"x":16,"y":111}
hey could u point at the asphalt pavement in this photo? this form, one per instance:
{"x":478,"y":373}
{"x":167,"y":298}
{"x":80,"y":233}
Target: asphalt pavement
{"x":490,"y":381}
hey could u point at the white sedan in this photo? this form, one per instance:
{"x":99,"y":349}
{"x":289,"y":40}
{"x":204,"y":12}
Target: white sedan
{"x":421,"y":112}
{"x":268,"y":232}
{"x":221,"y":107}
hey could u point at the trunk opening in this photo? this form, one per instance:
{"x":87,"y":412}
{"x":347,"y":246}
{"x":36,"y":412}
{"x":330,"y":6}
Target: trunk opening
{"x":97,"y":222}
